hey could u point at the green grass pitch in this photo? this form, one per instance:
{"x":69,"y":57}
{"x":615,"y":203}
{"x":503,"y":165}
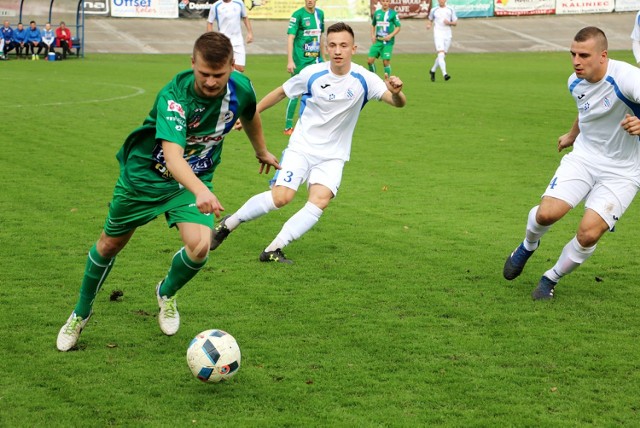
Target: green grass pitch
{"x":395,"y":313}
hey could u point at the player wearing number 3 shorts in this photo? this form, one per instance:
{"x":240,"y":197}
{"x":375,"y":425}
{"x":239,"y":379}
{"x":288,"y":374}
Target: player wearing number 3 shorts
{"x":334,"y":93}
{"x":603,"y":170}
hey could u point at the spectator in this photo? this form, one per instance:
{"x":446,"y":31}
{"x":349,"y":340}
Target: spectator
{"x":20,"y":42}
{"x":34,"y":40}
{"x":228,"y":14}
{"x":63,"y":39}
{"x":48,"y":38}
{"x":7,"y":39}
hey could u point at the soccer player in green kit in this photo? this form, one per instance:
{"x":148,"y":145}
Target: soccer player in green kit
{"x":385,"y":24}
{"x":304,"y":47}
{"x":167,"y":167}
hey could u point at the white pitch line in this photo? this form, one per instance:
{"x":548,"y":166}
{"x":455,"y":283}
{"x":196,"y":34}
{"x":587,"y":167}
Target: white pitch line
{"x":138,"y":91}
{"x":524,"y":35}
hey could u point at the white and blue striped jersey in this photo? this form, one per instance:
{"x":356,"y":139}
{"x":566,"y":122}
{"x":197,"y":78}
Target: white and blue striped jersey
{"x":602,"y":142}
{"x":330,"y":107}
{"x":228,"y":15}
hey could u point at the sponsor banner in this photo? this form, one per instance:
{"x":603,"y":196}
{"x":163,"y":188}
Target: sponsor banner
{"x":524,"y":7}
{"x":197,"y":8}
{"x":470,"y":8}
{"x":627,"y":5}
{"x":404,"y":8}
{"x":144,"y":8}
{"x":583,"y":6}
{"x":334,"y":10}
{"x":8,"y":8}
{"x":96,"y":7}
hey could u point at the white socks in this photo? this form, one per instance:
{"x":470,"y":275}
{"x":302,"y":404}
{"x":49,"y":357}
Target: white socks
{"x":255,"y":207}
{"x":441,"y":63}
{"x":296,"y":226}
{"x":534,"y":232}
{"x":573,"y":255}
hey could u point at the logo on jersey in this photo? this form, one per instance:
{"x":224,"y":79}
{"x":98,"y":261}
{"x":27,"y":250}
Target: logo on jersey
{"x":174,"y":106}
{"x":325,"y":86}
{"x":584,"y":107}
{"x":349,"y":93}
{"x":581,"y":96}
{"x":332,"y":97}
{"x":606,"y":103}
{"x":228,"y":116}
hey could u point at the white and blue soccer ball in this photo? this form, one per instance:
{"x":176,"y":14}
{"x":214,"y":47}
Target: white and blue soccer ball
{"x":213,"y":356}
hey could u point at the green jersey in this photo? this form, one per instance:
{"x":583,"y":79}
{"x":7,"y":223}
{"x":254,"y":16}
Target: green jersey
{"x":385,"y":23}
{"x":307,"y":29}
{"x":197,"y":124}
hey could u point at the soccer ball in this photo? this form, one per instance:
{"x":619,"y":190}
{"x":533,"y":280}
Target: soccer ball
{"x":213,"y":356}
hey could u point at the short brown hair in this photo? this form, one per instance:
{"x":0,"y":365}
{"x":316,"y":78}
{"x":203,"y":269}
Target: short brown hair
{"x":588,"y":33}
{"x":214,"y":48}
{"x":339,"y":27}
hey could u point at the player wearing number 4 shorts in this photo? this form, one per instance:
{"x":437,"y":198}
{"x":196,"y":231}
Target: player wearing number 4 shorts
{"x":166,"y":168}
{"x":335,"y":93}
{"x":603,"y":170}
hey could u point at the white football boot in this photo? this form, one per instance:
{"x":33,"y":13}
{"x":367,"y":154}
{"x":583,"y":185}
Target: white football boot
{"x":70,"y":332}
{"x":168,"y":317}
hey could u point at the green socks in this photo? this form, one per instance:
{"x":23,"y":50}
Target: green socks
{"x":387,"y":69}
{"x":291,"y":111}
{"x":181,"y":271}
{"x":372,"y":67}
{"x":95,"y":272}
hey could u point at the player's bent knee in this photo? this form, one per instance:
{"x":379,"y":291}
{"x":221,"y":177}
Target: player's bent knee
{"x":282,"y":196}
{"x":198,"y":251}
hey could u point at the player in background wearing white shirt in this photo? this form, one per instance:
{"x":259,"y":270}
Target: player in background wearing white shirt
{"x":442,"y":18}
{"x":333,"y":94}
{"x":604,"y":167}
{"x":635,"y":39}
{"x":228,"y":14}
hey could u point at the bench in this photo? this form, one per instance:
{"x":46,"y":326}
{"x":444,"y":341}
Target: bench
{"x":75,"y":44}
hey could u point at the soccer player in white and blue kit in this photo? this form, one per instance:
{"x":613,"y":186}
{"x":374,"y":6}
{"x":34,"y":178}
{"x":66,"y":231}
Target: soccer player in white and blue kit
{"x":604,"y":167}
{"x":228,"y":14}
{"x":333,"y":94}
{"x":442,"y":18}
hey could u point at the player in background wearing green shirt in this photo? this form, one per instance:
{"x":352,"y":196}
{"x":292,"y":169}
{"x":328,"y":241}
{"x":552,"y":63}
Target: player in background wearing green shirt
{"x":304,"y":47}
{"x":166,"y":167}
{"x":385,"y":24}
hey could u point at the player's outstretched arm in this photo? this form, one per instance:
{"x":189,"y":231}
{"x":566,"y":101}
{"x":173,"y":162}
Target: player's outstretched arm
{"x":271,"y":99}
{"x":394,"y":95}
{"x":253,"y":129}
{"x":178,"y":167}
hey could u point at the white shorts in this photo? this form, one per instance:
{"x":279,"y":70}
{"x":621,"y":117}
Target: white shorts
{"x":609,"y":196}
{"x":443,"y":43}
{"x":298,"y":167}
{"x":239,"y":54}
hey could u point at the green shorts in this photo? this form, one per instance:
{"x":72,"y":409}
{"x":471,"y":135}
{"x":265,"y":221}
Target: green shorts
{"x":381,"y":49}
{"x":128,"y":211}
